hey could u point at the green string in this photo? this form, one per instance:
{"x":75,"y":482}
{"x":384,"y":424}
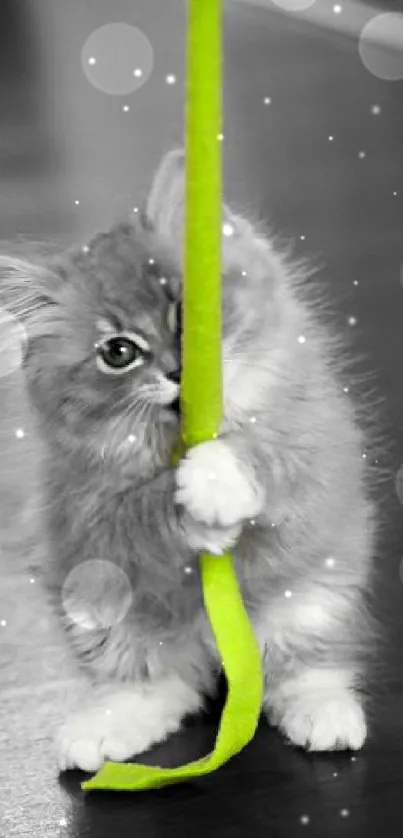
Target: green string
{"x":202,"y":406}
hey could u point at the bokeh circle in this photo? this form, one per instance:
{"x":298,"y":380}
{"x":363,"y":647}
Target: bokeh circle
{"x":97,"y":594}
{"x":294,"y":5}
{"x":117,"y":58}
{"x":13,"y":341}
{"x":381,"y":46}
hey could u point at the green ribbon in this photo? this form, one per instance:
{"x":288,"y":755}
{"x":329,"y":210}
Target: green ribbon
{"x":201,"y":393}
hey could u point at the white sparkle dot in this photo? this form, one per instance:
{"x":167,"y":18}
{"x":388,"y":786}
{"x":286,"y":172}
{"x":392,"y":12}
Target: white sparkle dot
{"x":138,"y":73}
{"x":108,"y":712}
{"x":252,"y":420}
{"x":228,"y":230}
{"x":273,"y":525}
{"x":77,"y":203}
{"x":3,"y":623}
{"x":352,"y":321}
{"x":301,"y":339}
{"x":161,"y":643}
{"x":337,"y":9}
{"x":331,"y":139}
{"x":335,"y":774}
{"x":375,"y":110}
{"x":344,"y":813}
{"x":63,"y":822}
{"x":244,"y":273}
{"x":126,"y":108}
{"x":135,"y":209}
{"x":85,"y":248}
{"x":362,"y":154}
{"x":330,"y":562}
{"x":163,"y":280}
{"x":151,"y":261}
{"x":304,"y":819}
{"x":171,"y":79}
{"x":395,"y":193}
{"x":20,"y":433}
{"x":346,"y":389}
{"x":252,"y":522}
{"x":267,"y":100}
{"x":132,"y":438}
{"x":220,"y":137}
{"x":32,"y":581}
{"x":364,"y":456}
{"x":188,"y":570}
{"x":353,"y":759}
{"x":302,"y":238}
{"x":288,"y":594}
{"x":92,"y":60}
{"x":355,"y":282}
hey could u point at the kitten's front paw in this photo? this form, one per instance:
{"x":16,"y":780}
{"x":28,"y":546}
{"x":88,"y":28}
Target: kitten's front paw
{"x":213,"y":488}
{"x":323,"y":722}
{"x":215,"y":540}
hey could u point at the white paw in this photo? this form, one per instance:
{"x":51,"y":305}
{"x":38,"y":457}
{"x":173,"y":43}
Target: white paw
{"x":213,"y":488}
{"x":117,"y":727}
{"x":324,"y":722}
{"x":202,"y":538}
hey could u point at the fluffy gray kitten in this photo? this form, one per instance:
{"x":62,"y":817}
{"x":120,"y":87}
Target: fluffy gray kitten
{"x":284,"y":484}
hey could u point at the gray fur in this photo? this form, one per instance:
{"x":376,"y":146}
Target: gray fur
{"x":105,"y":499}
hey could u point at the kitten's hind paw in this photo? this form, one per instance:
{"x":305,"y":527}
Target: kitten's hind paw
{"x":124,"y":723}
{"x":323,"y":722}
{"x":113,"y":730}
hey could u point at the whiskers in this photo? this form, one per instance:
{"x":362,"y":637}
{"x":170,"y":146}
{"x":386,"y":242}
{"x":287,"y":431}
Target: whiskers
{"x":127,"y":431}
{"x":136,"y":438}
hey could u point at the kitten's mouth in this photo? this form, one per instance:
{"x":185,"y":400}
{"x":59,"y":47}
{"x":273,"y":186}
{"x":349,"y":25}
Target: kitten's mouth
{"x":176,"y":406}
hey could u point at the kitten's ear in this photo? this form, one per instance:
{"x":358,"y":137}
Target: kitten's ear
{"x":165,"y":204}
{"x":28,"y":293}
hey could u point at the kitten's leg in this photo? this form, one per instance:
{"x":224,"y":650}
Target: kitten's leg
{"x":313,"y":676}
{"x":125,"y":721}
{"x":129,"y":718}
{"x":319,"y":710}
{"x":160,"y":518}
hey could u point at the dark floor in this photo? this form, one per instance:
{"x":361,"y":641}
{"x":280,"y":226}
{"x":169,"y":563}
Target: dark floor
{"x":347,"y":212}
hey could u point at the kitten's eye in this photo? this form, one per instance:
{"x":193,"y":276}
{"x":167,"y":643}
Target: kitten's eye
{"x":118,"y":354}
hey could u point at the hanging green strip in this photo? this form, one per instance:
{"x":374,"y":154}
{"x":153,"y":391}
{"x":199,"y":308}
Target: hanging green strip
{"x":202,"y":406}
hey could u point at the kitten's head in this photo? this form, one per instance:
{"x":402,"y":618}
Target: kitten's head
{"x":103,"y":327}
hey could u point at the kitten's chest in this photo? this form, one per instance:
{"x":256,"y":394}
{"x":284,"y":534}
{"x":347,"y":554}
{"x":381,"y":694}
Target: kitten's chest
{"x":158,"y":605}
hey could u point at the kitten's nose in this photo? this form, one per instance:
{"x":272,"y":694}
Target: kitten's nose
{"x":175,"y":376}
